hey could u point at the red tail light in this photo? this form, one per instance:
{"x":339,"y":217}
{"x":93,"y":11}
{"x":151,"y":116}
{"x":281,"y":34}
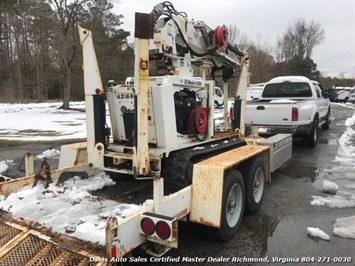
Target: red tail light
{"x":113,"y":252}
{"x":148,"y":226}
{"x":294,"y":114}
{"x":231,"y":112}
{"x":163,"y":230}
{"x":158,"y":227}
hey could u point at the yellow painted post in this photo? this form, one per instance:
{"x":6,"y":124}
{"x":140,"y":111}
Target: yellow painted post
{"x":144,"y":29}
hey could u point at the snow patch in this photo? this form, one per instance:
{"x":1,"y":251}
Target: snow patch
{"x":316,"y":232}
{"x":344,"y":200}
{"x":329,"y":187}
{"x":52,"y":153}
{"x":345,"y":227}
{"x":350,"y":186}
{"x":70,"y":208}
{"x":4,"y":165}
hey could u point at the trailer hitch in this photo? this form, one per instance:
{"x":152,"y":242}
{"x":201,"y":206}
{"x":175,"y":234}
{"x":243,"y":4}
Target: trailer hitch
{"x":47,"y":171}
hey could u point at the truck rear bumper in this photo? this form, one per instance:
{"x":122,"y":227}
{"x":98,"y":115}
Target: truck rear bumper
{"x":294,"y":130}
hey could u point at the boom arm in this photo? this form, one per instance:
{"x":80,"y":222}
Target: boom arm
{"x":179,"y":39}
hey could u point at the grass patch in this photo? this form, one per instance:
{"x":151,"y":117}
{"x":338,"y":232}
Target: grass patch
{"x":11,"y":143}
{"x":36,"y":132}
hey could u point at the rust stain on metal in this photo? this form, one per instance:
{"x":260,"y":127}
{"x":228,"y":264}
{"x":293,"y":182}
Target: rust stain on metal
{"x":175,"y":232}
{"x":8,"y":187}
{"x":144,"y":63}
{"x":47,"y":171}
{"x":180,"y":214}
{"x":76,"y":159}
{"x":203,"y":221}
{"x":143,"y":111}
{"x":41,"y":240}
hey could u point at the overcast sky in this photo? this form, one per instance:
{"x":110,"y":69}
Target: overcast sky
{"x":269,"y":19}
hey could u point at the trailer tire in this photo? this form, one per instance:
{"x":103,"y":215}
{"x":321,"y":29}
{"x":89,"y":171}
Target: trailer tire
{"x":254,"y":179}
{"x":233,"y":201}
{"x":312,"y":138}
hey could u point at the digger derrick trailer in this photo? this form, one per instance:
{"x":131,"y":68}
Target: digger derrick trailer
{"x":163,"y":132}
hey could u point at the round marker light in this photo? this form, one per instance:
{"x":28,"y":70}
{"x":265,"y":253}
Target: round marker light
{"x":147,"y":226}
{"x":163,"y":230}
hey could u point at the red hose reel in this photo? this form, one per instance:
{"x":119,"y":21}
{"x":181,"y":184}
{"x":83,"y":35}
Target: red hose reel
{"x":220,"y":37}
{"x":198,"y":121}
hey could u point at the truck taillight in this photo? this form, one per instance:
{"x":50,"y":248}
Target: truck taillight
{"x":294,"y":114}
{"x":147,"y":226}
{"x":163,"y":230}
{"x":231,"y":112}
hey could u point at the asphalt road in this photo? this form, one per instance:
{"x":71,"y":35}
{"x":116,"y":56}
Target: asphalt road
{"x":279,"y":227}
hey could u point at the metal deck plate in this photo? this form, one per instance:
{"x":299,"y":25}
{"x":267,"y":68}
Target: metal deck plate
{"x":20,"y":245}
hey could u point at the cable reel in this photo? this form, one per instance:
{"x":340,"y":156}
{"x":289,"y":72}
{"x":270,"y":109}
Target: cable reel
{"x":198,"y":123}
{"x":220,"y":37}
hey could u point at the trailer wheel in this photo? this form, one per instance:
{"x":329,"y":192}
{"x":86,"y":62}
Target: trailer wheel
{"x":254,"y":180}
{"x":232,"y":205}
{"x":312,"y":138}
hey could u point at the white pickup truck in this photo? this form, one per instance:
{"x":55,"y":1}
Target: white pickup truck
{"x":290,"y":104}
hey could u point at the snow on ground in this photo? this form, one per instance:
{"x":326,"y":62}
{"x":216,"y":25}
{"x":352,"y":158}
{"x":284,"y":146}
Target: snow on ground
{"x":341,"y":200}
{"x":69,"y":208}
{"x":343,"y":169}
{"x":4,"y":165}
{"x":50,"y":153}
{"x":42,"y":121}
{"x":345,"y":227}
{"x":316,"y":232}
{"x":329,"y":187}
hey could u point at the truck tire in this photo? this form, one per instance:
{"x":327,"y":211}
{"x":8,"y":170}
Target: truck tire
{"x":312,"y":138}
{"x":216,"y":105}
{"x":232,"y":205}
{"x":254,"y":179}
{"x":328,"y":121}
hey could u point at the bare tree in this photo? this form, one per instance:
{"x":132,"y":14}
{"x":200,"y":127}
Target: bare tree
{"x":237,"y":38}
{"x":299,"y":40}
{"x":66,"y":15}
{"x":262,"y":61}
